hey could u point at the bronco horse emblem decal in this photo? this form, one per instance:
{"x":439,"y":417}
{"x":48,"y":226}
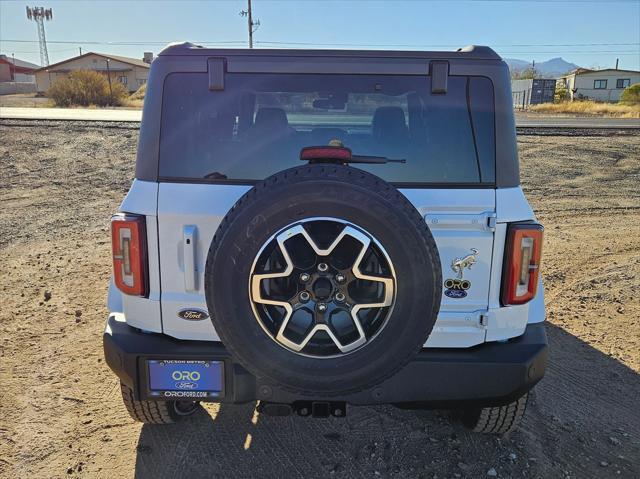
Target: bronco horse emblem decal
{"x":459,"y":264}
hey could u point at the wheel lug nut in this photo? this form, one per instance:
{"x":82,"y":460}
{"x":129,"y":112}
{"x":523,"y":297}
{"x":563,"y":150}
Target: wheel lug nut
{"x":322,"y":307}
{"x":340,"y":278}
{"x":304,"y":277}
{"x":323,"y":267}
{"x":304,"y":296}
{"x":340,"y":297}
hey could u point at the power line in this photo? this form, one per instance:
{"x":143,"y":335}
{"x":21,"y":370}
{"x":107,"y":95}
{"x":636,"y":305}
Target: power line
{"x":452,"y":44}
{"x":267,"y":42}
{"x":93,"y":42}
{"x":571,"y":53}
{"x":36,"y":51}
{"x":513,"y":1}
{"x":560,"y":46}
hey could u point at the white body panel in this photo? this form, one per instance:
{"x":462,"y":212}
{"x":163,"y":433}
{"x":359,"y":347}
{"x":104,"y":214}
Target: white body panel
{"x":182,"y":219}
{"x":511,"y":205}
{"x":144,"y":313}
{"x":458,"y":219}
{"x":185,"y":205}
{"x":458,"y":222}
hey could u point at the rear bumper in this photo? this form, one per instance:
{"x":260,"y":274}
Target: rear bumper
{"x":485,"y":375}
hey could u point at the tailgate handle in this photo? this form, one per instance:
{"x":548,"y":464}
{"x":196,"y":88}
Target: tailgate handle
{"x":484,"y":221}
{"x":189,"y":248}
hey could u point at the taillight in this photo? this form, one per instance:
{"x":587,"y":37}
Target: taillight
{"x":129,"y":246}
{"x":522,"y":263}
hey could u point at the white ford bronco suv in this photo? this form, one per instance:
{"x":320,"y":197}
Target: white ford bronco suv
{"x":310,"y":229}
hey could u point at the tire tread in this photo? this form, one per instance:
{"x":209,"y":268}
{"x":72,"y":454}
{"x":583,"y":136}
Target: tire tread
{"x":148,"y":412}
{"x":497,"y":419}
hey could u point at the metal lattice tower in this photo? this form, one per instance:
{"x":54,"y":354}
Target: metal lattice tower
{"x":39,"y":15}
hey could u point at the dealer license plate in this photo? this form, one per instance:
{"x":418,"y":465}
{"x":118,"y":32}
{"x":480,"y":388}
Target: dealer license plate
{"x":185,"y":379}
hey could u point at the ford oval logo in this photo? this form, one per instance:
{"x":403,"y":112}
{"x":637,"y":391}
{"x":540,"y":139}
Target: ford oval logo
{"x":192,"y":314}
{"x":455,"y":293}
{"x":186,"y":385}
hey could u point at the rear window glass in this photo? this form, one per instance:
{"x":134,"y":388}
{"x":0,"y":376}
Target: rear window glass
{"x":259,"y":123}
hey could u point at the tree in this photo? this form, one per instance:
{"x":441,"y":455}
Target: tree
{"x":631,"y":95}
{"x":561,"y":94}
{"x":526,"y":74}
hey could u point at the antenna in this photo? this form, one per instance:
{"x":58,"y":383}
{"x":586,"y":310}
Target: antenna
{"x":39,"y":15}
{"x":253,"y":26}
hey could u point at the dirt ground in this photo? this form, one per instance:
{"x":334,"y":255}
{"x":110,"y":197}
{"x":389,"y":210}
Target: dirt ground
{"x":60,"y":408}
{"x":25,"y":100}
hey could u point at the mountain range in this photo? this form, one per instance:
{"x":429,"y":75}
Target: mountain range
{"x":551,"y":68}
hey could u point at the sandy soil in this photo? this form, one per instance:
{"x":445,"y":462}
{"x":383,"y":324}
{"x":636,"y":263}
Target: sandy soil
{"x":25,"y":100}
{"x":60,"y":409}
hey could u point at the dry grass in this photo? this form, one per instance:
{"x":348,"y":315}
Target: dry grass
{"x":26,"y":100}
{"x":133,"y":102}
{"x":139,"y":93}
{"x":136,"y":99}
{"x":589,"y":108}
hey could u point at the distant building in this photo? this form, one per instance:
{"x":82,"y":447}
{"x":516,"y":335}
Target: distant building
{"x":16,"y":77}
{"x":600,"y":85}
{"x":532,"y":91}
{"x":21,"y":71}
{"x":131,"y":72}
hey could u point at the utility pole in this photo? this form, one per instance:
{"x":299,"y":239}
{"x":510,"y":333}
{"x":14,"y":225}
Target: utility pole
{"x":15,"y":85}
{"x":110,"y":90}
{"x":252,"y":26}
{"x":39,"y":15}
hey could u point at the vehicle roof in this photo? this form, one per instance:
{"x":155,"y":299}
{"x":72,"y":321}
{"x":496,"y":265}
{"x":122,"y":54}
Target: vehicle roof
{"x":470,"y":52}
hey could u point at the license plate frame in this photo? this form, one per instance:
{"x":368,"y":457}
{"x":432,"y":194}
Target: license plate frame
{"x":175,"y":379}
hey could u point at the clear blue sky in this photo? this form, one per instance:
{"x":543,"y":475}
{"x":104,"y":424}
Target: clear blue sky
{"x":526,"y":29}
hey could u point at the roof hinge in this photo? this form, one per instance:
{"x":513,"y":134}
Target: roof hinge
{"x":216,"y":67}
{"x":439,"y":76}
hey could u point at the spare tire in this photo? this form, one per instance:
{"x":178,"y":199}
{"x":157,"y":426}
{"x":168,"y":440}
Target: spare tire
{"x":323,"y":280}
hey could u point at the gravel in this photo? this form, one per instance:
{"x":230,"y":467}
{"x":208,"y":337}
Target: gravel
{"x":61,"y":408}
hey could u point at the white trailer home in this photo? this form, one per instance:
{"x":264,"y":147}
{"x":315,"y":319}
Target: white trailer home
{"x":601,"y":85}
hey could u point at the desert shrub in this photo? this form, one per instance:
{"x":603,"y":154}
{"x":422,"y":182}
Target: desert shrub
{"x":139,"y":93}
{"x":86,"y":87}
{"x":631,"y":95}
{"x":136,"y":99}
{"x":560,"y":95}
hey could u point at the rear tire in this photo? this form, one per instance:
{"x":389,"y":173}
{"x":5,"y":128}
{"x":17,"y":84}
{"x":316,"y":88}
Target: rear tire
{"x":156,"y":412}
{"x":496,"y":420}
